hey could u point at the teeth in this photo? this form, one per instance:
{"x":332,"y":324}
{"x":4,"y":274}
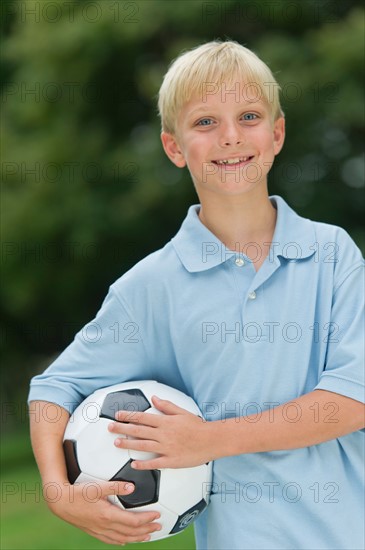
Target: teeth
{"x":232,"y":161}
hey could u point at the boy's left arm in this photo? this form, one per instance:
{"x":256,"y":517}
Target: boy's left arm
{"x":183,"y":439}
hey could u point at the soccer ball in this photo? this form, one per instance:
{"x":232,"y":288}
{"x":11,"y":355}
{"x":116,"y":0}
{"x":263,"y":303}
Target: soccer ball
{"x":179,"y":495}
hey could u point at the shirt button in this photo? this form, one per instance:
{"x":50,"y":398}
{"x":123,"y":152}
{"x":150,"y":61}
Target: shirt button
{"x":239,"y":262}
{"x":252,"y":295}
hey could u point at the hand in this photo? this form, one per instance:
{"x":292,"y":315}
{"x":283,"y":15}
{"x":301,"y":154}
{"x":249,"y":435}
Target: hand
{"x":85,"y":505}
{"x":181,"y":438}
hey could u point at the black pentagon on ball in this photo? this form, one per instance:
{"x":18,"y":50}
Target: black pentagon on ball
{"x":188,"y":517}
{"x":146,"y":482}
{"x":126,"y":400}
{"x":72,"y":465}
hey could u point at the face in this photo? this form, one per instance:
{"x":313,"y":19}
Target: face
{"x":228,"y":145}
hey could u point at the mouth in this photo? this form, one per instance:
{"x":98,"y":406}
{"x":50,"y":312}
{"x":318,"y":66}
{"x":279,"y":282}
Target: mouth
{"x":237,"y":161}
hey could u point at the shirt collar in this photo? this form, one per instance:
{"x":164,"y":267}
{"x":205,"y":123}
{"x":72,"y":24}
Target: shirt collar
{"x":199,"y":249}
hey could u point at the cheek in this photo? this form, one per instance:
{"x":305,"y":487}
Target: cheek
{"x":195,"y":151}
{"x":268,"y":144}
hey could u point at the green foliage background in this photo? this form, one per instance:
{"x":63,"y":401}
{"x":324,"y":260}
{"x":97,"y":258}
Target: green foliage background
{"x":86,"y":188}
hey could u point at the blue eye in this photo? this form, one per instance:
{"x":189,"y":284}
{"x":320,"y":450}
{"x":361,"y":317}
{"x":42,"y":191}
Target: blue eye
{"x":203,"y":121}
{"x":249,"y":116}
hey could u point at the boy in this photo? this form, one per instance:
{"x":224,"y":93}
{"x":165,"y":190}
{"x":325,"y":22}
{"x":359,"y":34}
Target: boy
{"x":250,"y":309}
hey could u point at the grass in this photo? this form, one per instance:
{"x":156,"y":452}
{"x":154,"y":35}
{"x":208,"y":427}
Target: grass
{"x":26,"y":522}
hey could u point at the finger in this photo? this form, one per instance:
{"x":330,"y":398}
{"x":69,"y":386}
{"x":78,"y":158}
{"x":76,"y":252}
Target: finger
{"x":133,"y":430}
{"x":120,"y":520}
{"x":124,"y":531}
{"x":121,"y":538}
{"x":136,"y":417}
{"x":134,"y":524}
{"x":144,"y":538}
{"x":128,"y":539}
{"x":167,"y":407}
{"x":115,"y":488}
{"x":137,"y":444}
{"x":153,"y":464}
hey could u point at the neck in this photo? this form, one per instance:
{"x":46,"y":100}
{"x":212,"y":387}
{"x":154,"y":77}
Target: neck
{"x":239,"y":221}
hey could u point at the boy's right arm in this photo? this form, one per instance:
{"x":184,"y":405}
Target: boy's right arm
{"x":94,"y":514}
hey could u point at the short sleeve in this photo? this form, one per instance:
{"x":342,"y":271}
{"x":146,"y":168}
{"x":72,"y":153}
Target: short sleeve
{"x":345,"y":363}
{"x":107,"y":351}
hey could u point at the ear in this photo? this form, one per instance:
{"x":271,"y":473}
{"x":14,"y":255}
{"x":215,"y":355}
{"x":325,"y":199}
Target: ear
{"x":279,"y":134}
{"x":172,"y":149}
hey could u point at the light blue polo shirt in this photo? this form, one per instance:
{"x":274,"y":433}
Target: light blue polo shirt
{"x":197,"y":316}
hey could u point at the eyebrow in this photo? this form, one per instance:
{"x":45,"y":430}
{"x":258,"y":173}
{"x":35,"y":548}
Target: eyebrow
{"x":202,"y":110}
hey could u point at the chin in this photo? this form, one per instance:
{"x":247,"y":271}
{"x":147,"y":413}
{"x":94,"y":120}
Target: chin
{"x":236,"y":189}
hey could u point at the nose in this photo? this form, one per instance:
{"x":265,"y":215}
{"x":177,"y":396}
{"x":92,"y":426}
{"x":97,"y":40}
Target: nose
{"x":231,"y":135}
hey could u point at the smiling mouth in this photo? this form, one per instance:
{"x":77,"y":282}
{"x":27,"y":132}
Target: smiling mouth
{"x":232,"y":162}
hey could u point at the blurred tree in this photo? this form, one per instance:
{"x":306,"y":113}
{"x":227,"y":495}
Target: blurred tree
{"x":86,"y":188}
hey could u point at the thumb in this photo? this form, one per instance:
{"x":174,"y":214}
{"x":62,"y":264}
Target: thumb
{"x":167,"y":407}
{"x":116,"y":488}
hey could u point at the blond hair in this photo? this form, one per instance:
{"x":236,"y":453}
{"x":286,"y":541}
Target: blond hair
{"x":210,"y":65}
